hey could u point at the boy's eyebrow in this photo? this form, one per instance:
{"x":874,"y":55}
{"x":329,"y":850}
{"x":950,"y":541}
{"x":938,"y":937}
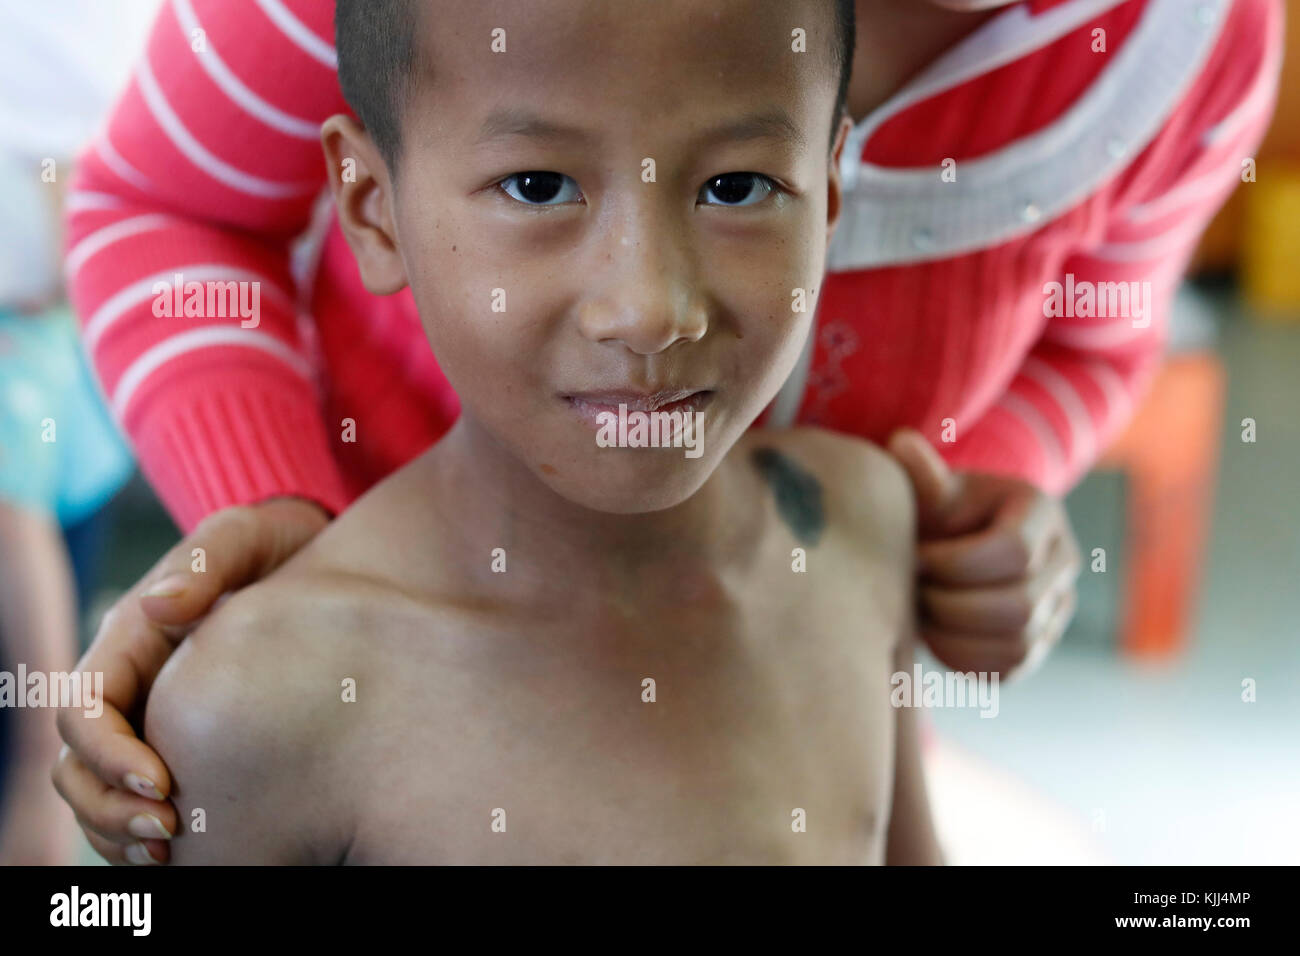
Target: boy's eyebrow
{"x":509,"y":121}
{"x":771,"y":124}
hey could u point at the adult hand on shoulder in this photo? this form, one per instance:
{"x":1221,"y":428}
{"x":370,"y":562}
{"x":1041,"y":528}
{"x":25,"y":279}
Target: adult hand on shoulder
{"x":114,"y":782}
{"x":997,"y":563}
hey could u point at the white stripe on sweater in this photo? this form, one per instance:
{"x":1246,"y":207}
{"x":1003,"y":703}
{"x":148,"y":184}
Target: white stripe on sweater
{"x":114,"y":161}
{"x":1194,"y":192}
{"x":233,"y":87}
{"x":1112,"y":387}
{"x":1107,"y":335}
{"x":141,"y":290}
{"x":208,"y":336}
{"x":299,"y":33}
{"x":197,"y":154}
{"x":83,"y":201}
{"x":1082,"y":435}
{"x":101,"y":239}
{"x":1153,"y":248}
{"x":1028,"y":415}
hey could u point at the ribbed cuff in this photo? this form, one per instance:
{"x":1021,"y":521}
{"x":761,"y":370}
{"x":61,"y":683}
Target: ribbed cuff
{"x":224,"y":437}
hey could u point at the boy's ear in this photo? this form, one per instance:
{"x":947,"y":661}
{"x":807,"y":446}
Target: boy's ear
{"x":362,"y":190}
{"x":834,"y":186}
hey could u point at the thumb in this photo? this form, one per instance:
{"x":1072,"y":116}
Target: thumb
{"x":936,"y":486}
{"x":239,"y":545}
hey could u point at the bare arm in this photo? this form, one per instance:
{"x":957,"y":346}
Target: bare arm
{"x":879,"y":498}
{"x":234,"y":716}
{"x":889,"y":506}
{"x":911,"y":839}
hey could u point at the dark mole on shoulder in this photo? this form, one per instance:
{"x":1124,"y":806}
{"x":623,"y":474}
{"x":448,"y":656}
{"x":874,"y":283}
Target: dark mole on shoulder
{"x":798,"y":493}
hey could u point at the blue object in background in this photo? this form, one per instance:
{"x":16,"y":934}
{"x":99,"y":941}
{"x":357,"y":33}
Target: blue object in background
{"x":44,"y":378}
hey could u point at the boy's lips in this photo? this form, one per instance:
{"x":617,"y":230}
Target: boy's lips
{"x":589,"y":405}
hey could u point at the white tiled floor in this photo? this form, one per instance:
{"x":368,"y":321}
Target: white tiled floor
{"x":1095,"y":757}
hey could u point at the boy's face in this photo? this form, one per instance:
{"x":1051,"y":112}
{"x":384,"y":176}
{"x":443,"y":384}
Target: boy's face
{"x":679,"y":188}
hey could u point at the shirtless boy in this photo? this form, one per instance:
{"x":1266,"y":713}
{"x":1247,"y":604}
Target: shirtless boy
{"x":524,"y":647}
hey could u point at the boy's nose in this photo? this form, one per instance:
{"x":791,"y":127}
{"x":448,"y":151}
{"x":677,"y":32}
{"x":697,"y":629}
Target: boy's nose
{"x":647,"y":299}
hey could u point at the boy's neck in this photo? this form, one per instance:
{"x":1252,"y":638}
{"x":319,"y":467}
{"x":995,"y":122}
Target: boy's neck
{"x":484,"y":498}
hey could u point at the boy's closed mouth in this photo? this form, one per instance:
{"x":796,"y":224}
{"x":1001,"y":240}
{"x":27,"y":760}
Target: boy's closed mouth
{"x":589,"y":405}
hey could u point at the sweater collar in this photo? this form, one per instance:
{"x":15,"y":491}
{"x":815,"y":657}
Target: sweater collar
{"x":895,"y":216}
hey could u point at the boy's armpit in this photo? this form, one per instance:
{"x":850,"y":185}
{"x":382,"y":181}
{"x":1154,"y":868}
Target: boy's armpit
{"x":235,"y":717}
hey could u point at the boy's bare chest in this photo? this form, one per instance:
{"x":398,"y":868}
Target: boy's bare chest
{"x":703,"y":731}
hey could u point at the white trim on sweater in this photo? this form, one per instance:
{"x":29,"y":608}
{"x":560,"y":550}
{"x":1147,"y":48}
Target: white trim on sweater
{"x":899,"y":216}
{"x":1007,"y":38}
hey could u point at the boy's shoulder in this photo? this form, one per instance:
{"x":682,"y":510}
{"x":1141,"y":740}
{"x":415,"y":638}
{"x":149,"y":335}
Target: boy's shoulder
{"x":251,"y":715}
{"x":863,"y":485}
{"x":868,"y":504}
{"x":273,"y":643}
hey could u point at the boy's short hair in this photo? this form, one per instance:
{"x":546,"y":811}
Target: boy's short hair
{"x":378,"y":60}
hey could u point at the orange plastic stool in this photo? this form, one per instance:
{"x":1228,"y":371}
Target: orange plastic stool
{"x":1169,"y":454}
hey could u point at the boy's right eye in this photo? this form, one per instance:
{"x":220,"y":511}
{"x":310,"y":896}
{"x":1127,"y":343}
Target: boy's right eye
{"x":541,"y":188}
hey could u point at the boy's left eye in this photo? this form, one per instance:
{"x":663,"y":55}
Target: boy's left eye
{"x":737,"y":189}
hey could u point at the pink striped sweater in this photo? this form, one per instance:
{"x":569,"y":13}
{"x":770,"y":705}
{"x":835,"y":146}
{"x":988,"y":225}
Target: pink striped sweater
{"x":1016,"y":219}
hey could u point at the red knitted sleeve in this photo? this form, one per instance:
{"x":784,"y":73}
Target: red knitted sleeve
{"x":207,"y":168}
{"x":1078,"y":387}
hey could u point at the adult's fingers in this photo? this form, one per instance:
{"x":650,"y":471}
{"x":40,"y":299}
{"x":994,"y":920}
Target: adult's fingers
{"x":130,"y":648}
{"x":1051,"y":632}
{"x":143,"y":853}
{"x":114,"y":814}
{"x":112,"y":820}
{"x":934,"y":485}
{"x":1009,"y":653}
{"x":1003,"y":608}
{"x":1014,"y":545}
{"x":228,"y":550}
{"x":979,"y":653}
{"x":128,"y":652}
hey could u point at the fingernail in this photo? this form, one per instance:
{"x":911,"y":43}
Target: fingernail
{"x":146,"y":826}
{"x":143,"y":786}
{"x":171,"y":586}
{"x":138,"y":854}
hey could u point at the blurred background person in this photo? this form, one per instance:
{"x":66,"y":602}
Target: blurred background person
{"x":61,"y":457}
